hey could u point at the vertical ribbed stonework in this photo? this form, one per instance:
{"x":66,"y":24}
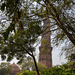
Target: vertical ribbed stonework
{"x":45,"y":55}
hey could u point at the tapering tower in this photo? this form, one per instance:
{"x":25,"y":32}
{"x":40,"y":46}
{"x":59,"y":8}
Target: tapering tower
{"x":14,"y":69}
{"x":45,"y":55}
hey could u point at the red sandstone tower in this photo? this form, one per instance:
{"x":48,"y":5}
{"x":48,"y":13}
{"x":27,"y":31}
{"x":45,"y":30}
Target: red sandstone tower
{"x":15,"y":69}
{"x":45,"y":55}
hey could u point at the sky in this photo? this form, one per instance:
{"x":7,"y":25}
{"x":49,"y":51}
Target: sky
{"x":57,"y":58}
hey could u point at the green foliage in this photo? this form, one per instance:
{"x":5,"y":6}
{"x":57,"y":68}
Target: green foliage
{"x":58,"y":11}
{"x":71,"y":57}
{"x":27,"y":63}
{"x":26,"y":33}
{"x":5,"y":69}
{"x":19,"y":43}
{"x":65,"y":69}
{"x":11,"y":6}
{"x":26,"y":72}
{"x":41,"y":67}
{"x":26,"y":16}
{"x":8,"y":30}
{"x":45,"y":42}
{"x":22,"y":16}
{"x":27,"y":12}
{"x":3,"y":6}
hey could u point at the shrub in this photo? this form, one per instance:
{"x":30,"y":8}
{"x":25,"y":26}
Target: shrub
{"x":27,"y":72}
{"x":65,"y":69}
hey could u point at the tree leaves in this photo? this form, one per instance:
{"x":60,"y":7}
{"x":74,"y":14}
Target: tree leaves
{"x":3,"y":57}
{"x":5,"y":68}
{"x":8,"y":30}
{"x":3,"y":6}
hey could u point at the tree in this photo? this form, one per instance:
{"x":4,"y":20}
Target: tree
{"x":22,"y":18}
{"x":59,"y":11}
{"x":19,"y":45}
{"x":72,"y":57}
{"x":20,"y":14}
{"x":27,"y":31}
{"x":68,"y":48}
{"x":61,"y":15}
{"x":28,"y":64}
{"x":5,"y":69}
{"x":56,"y":10}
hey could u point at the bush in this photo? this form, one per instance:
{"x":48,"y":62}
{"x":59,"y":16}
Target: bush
{"x":65,"y":69}
{"x":27,"y":72}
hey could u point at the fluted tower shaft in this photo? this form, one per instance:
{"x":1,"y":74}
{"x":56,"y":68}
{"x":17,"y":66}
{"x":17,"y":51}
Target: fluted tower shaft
{"x":45,"y":55}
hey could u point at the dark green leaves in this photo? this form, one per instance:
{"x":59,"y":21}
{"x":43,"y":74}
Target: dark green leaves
{"x":3,"y":57}
{"x":19,"y":14}
{"x":8,"y":30}
{"x":3,"y":6}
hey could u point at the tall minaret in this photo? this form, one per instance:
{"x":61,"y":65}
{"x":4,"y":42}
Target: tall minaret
{"x":45,"y":55}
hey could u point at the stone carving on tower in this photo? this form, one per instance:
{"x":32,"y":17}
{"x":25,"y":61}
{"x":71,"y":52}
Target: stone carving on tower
{"x":45,"y":55}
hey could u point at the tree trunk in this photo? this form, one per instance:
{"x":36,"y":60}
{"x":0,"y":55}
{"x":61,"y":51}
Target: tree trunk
{"x":35,"y":65}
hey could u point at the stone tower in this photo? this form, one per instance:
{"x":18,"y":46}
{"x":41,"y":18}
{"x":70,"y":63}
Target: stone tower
{"x":45,"y":55}
{"x":15,"y":69}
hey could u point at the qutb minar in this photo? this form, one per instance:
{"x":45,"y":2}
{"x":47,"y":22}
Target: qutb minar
{"x":45,"y":55}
